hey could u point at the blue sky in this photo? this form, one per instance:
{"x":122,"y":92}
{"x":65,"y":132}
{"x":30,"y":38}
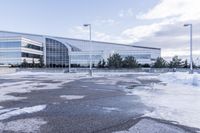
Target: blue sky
{"x":57,"y":17}
{"x":139,"y":22}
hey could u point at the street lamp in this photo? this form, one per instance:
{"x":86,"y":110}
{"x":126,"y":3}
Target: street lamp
{"x":90,"y":34}
{"x":191,"y":59}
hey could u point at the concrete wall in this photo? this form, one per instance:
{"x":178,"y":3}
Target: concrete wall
{"x":150,"y":70}
{"x":77,"y":70}
{"x":48,"y":70}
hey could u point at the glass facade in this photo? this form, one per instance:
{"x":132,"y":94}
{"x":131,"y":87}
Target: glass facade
{"x":13,"y":51}
{"x":16,"y":44}
{"x":17,"y":47}
{"x":56,"y":54}
{"x":31,"y":46}
{"x":142,"y":56}
{"x":10,"y":53}
{"x":138,"y":56}
{"x":86,"y":57}
{"x":82,"y":58}
{"x":29,"y":55}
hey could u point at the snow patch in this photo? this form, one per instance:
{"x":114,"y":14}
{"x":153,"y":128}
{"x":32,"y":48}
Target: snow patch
{"x":147,"y":78}
{"x":110,"y":109}
{"x":16,"y":111}
{"x":72,"y":97}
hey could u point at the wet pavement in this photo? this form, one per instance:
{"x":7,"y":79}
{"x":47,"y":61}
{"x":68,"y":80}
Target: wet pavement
{"x":102,"y":106}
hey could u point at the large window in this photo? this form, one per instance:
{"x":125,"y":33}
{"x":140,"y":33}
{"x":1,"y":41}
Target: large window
{"x":10,"y":44}
{"x":5,"y":55}
{"x":86,"y":57}
{"x":10,"y":53}
{"x":29,"y":55}
{"x":138,"y":56}
{"x":31,"y":46}
{"x":56,"y":54}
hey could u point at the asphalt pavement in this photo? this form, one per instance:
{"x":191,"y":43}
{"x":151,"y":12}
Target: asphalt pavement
{"x":96,"y":105}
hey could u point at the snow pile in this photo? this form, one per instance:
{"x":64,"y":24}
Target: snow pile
{"x":178,"y":100}
{"x":181,"y":78}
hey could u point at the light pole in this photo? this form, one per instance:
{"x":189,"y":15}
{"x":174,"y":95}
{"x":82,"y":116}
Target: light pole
{"x":90,"y":34}
{"x":191,"y":59}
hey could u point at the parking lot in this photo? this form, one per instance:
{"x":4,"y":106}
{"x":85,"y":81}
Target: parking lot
{"x":58,"y":102}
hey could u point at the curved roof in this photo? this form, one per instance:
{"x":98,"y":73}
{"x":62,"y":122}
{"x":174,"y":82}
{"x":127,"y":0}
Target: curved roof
{"x":37,"y":36}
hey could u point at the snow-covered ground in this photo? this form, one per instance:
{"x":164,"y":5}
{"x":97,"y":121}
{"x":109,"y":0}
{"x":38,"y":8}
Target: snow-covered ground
{"x":176,"y":99}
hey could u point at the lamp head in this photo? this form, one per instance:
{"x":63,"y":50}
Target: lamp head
{"x":187,"y":25}
{"x":86,"y":25}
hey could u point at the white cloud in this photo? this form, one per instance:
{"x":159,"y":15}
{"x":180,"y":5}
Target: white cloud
{"x":126,"y":13}
{"x":102,"y":36}
{"x":181,"y":9}
{"x":180,"y":52}
{"x":141,"y":32}
{"x":135,"y":34}
{"x":82,"y":32}
{"x":79,"y":30}
{"x":109,"y":22}
{"x":166,"y":32}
